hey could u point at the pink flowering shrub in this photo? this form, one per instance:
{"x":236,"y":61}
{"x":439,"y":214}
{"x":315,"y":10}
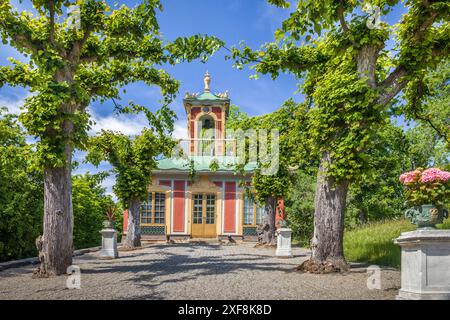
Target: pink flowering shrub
{"x":430,"y":186}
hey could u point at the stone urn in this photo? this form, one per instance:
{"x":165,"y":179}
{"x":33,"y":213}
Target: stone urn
{"x":426,"y":216}
{"x":108,"y":224}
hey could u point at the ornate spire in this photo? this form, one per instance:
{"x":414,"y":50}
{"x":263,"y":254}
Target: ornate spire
{"x":207,"y":80}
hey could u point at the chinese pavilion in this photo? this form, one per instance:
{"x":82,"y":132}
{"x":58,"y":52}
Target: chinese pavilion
{"x":212,"y":204}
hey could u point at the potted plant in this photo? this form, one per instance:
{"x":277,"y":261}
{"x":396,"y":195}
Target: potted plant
{"x":426,"y":191}
{"x":109,"y":223}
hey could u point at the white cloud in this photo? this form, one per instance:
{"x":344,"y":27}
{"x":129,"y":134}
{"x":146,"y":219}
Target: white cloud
{"x":13,"y":106}
{"x":127,"y":124}
{"x":180,"y":129}
{"x":130,"y":124}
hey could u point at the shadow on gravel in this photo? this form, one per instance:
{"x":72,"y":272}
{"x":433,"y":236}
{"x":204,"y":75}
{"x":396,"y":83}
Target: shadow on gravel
{"x":148,"y":272}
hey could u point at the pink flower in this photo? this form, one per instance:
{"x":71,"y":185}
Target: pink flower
{"x":430,"y":175}
{"x":427,"y":176}
{"x":409,"y":177}
{"x":444,"y":176}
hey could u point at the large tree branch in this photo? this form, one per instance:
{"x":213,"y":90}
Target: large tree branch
{"x":19,"y":31}
{"x":432,"y":125}
{"x":341,"y":16}
{"x":77,"y":48}
{"x":392,"y":85}
{"x":366,"y":63}
{"x":395,"y":81}
{"x":20,"y":74}
{"x":51,"y":36}
{"x":22,"y":40}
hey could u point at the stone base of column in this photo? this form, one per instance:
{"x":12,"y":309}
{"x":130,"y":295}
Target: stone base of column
{"x":425,"y":266}
{"x":109,"y":244}
{"x":284,"y":249}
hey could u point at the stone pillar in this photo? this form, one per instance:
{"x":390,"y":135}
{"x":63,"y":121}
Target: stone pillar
{"x":284,"y":243}
{"x":425,"y":266}
{"x":109,"y":244}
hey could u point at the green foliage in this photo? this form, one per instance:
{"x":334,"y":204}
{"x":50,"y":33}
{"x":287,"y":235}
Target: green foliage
{"x":373,"y":243}
{"x":299,"y":204}
{"x":426,"y":149}
{"x":22,"y":198}
{"x":444,"y":225}
{"x":21,"y":193}
{"x":378,"y":195}
{"x":432,"y":109}
{"x":278,"y":184}
{"x":349,"y":80}
{"x":235,"y":117}
{"x":72,"y":63}
{"x":133,"y":158}
{"x":90,"y":204}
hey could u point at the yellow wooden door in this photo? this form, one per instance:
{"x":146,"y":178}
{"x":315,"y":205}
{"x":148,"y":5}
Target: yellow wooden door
{"x":210,"y":215}
{"x":204,"y":215}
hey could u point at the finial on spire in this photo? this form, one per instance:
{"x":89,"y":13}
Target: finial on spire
{"x":207,"y":80}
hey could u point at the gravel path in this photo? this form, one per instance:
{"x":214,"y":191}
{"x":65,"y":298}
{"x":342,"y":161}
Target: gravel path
{"x":197,"y":271}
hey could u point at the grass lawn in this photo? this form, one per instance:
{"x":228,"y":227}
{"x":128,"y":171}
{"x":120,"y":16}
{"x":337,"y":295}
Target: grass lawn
{"x":373,"y":243}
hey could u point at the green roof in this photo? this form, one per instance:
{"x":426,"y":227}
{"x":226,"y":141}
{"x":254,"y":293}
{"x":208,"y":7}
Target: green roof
{"x":207,"y":96}
{"x":202,"y":163}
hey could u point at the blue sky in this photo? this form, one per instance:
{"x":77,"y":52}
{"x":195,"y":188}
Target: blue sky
{"x":254,"y":21}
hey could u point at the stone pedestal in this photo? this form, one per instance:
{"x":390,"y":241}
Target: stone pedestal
{"x":425,"y":266}
{"x":109,"y":244}
{"x":284,"y":243}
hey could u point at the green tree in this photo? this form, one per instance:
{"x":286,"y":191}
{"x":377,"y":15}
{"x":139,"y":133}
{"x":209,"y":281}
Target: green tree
{"x":300,"y":205}
{"x":350,"y":80}
{"x":426,"y":148}
{"x":22,"y":195}
{"x":378,"y":194}
{"x":133,"y":159}
{"x":268,"y":186}
{"x":431,"y":109}
{"x":72,"y":59}
{"x":90,"y":204}
{"x":21,"y":190}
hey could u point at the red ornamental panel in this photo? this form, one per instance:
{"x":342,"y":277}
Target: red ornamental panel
{"x":218,"y":112}
{"x":178,"y":205}
{"x":165,"y":183}
{"x":230,"y":207}
{"x":195,"y":112}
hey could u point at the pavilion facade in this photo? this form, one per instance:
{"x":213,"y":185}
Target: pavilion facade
{"x":189,"y":197}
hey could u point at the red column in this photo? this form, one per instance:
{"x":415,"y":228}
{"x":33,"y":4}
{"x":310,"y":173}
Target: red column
{"x":280,"y":212}
{"x":178,"y":205}
{"x":125,"y":222}
{"x":230,"y":207}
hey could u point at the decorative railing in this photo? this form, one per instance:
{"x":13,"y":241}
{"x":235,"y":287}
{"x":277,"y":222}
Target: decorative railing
{"x":208,"y":147}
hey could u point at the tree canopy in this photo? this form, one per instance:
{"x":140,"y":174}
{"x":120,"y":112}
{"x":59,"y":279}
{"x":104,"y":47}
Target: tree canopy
{"x":351,"y":79}
{"x":74,"y":57}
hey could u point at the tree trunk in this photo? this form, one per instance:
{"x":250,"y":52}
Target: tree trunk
{"x":330,"y":199}
{"x":133,"y":238}
{"x":58,"y":217}
{"x":268,"y":236}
